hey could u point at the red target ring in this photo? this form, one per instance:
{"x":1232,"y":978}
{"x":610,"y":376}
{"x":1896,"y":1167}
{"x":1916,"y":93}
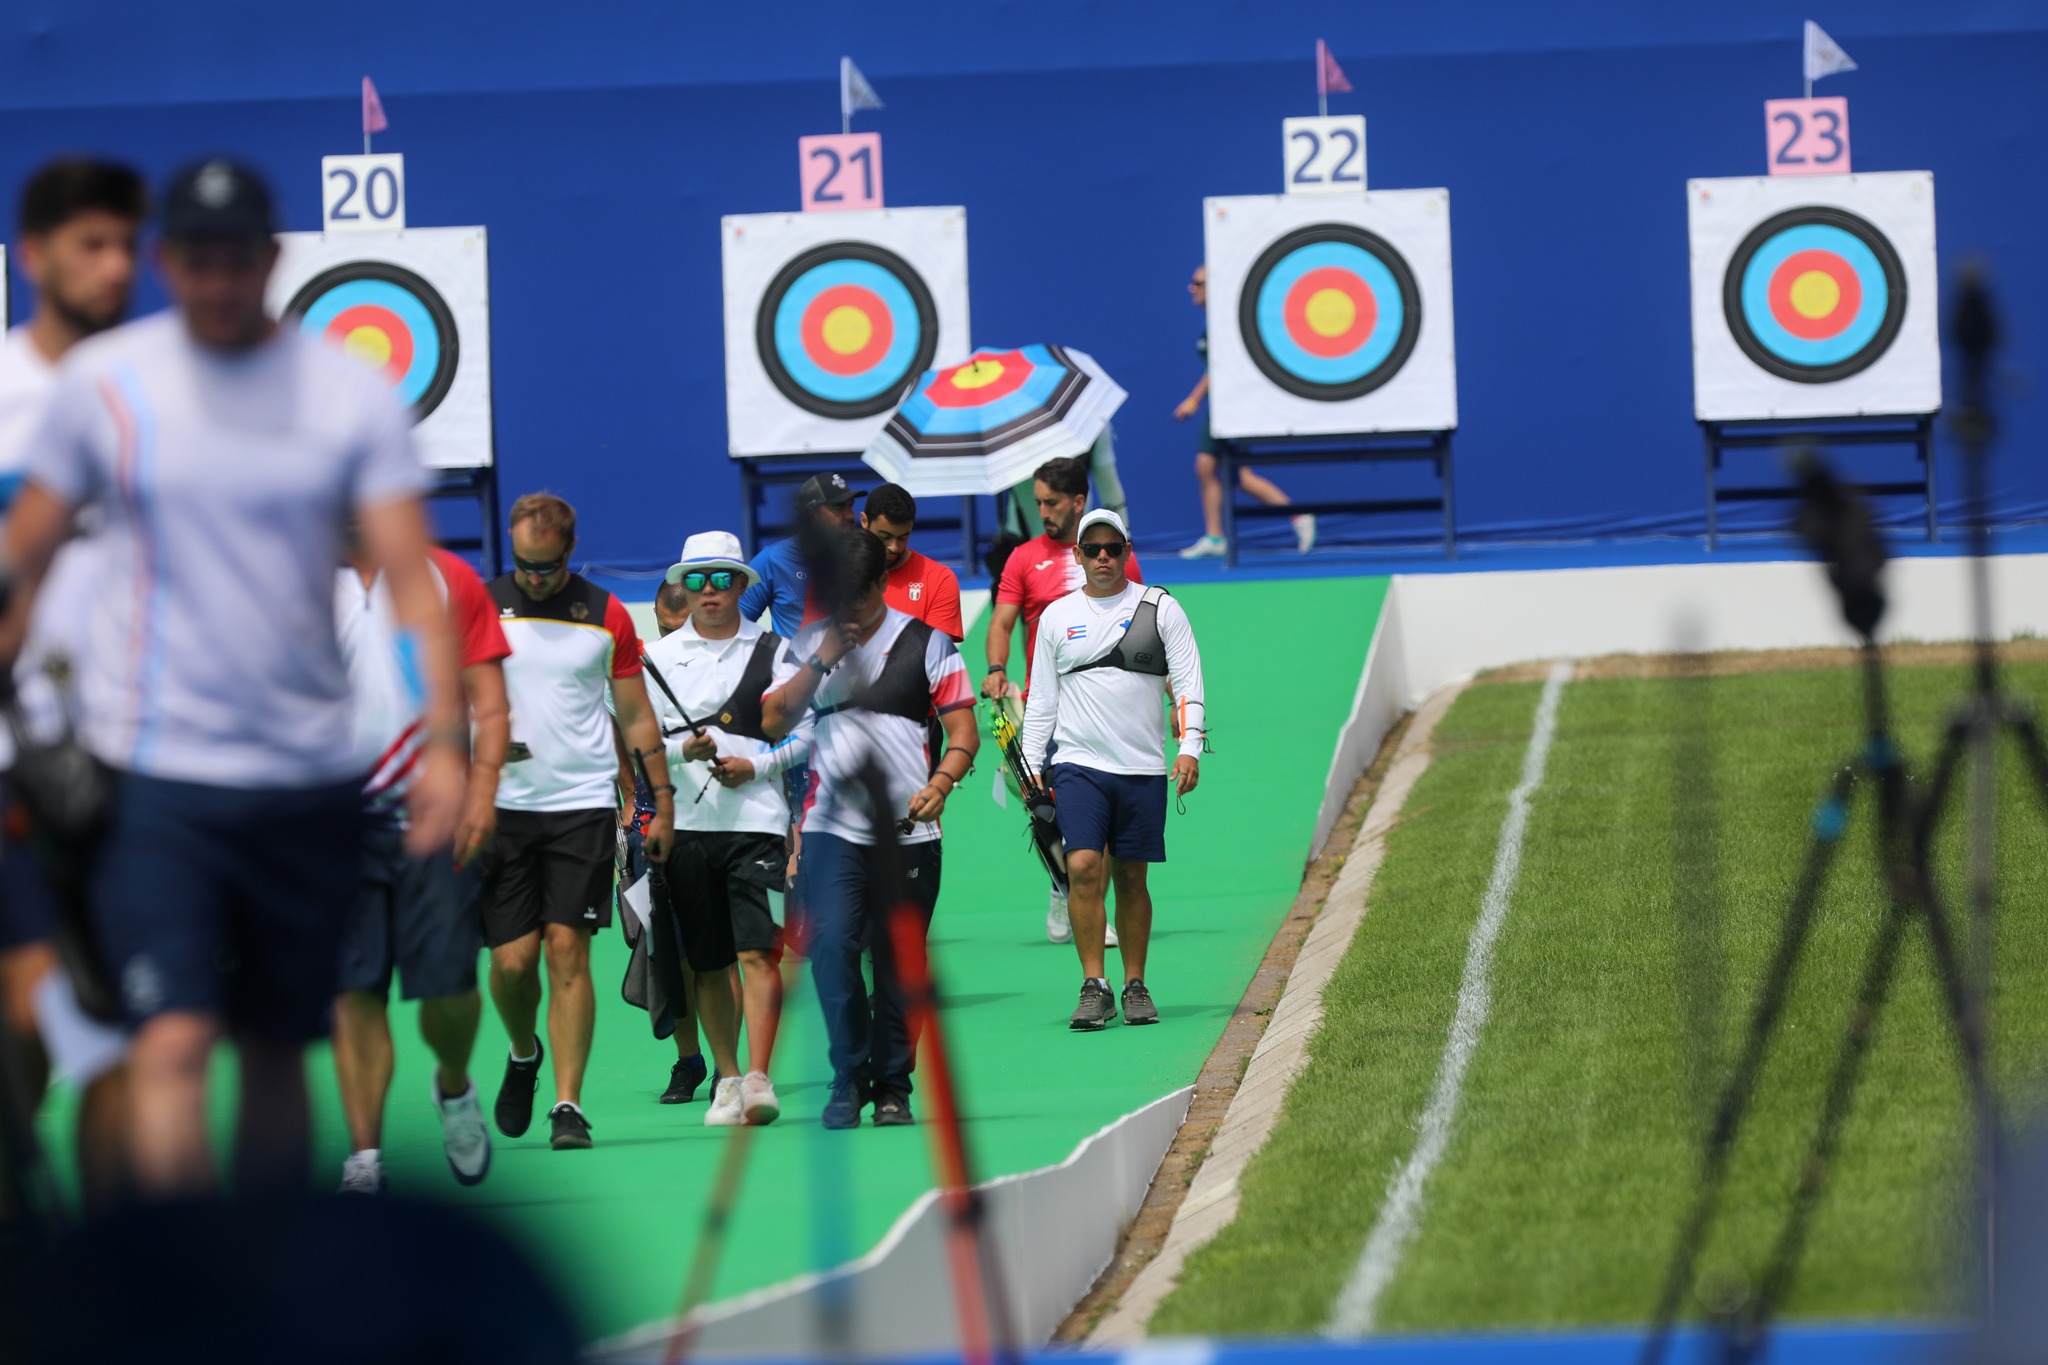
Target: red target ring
{"x":847,"y":329}
{"x":357,"y":328}
{"x":1815,"y":294}
{"x":1330,"y":312}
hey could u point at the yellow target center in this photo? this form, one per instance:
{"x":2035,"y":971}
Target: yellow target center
{"x":1815,"y":294}
{"x":847,"y":329}
{"x":369,"y":345}
{"x":1330,"y":312}
{"x":977,"y":374}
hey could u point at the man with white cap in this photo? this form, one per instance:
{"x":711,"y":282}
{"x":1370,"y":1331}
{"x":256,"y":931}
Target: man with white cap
{"x":1101,"y":666}
{"x":708,"y":678}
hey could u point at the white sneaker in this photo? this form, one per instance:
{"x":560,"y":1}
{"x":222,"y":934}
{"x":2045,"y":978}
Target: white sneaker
{"x":465,"y":1137}
{"x":1305,"y":532}
{"x":1058,"y":927}
{"x":1208,"y":547}
{"x":757,"y":1098}
{"x":362,"y":1173}
{"x":1109,"y":932}
{"x":726,"y":1110}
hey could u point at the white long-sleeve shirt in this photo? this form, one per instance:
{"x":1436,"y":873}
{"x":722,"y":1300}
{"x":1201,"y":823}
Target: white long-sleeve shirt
{"x":703,"y":674}
{"x":1110,"y":719}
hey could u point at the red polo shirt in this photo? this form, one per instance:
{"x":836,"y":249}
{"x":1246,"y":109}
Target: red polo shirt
{"x":927,"y":590}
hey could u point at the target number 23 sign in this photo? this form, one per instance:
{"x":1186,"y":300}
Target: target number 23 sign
{"x":1808,"y":137}
{"x":363,"y":193}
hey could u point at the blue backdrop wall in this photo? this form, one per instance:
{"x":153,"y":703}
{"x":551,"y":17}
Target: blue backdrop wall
{"x":601,"y":143}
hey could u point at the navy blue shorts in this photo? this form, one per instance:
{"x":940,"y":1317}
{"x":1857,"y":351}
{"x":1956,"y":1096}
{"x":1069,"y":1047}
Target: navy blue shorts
{"x":1117,"y":813}
{"x":231,"y":901}
{"x":419,"y":915}
{"x":28,"y":907}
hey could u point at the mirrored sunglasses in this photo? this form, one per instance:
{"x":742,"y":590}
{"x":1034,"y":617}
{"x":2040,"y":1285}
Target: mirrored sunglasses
{"x":720,"y":580}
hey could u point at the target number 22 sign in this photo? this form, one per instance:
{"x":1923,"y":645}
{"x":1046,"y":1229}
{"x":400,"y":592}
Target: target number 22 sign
{"x":1808,"y":137}
{"x":363,"y":193}
{"x":1324,"y":155}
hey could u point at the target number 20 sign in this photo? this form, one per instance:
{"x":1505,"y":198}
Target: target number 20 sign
{"x":363,"y":193}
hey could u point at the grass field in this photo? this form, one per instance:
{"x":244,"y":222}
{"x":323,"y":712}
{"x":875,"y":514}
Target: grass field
{"x":1575,"y":1148}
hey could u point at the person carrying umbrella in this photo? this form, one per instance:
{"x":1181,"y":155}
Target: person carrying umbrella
{"x":1105,"y":655}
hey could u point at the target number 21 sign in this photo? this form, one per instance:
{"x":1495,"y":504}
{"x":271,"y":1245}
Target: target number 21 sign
{"x":1808,"y":137}
{"x":840,"y":171}
{"x":363,"y":193}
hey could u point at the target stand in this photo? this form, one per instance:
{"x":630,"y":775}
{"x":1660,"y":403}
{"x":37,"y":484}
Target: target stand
{"x":1814,"y":322}
{"x":1330,"y":341}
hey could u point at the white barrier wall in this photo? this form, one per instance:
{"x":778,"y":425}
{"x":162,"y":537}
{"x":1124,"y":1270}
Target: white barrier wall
{"x":1438,"y":628}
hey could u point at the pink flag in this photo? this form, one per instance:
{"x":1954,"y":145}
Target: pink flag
{"x":1329,"y":76}
{"x":373,"y":109}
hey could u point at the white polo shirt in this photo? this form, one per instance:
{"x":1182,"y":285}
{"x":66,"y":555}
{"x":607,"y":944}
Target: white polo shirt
{"x":703,"y":674}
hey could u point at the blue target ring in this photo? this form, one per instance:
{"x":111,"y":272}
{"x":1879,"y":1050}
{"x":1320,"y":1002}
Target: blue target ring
{"x":391,"y":319}
{"x":1814,"y":295}
{"x":845,"y":328}
{"x":1330,"y":312}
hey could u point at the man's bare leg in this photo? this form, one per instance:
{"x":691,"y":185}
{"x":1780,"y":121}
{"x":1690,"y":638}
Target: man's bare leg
{"x":1133,"y":915}
{"x":102,"y":1136}
{"x":449,"y":1024}
{"x":721,"y":1019}
{"x":167,"y":1143}
{"x":572,"y":1007}
{"x":761,"y":1004}
{"x":515,"y":990}
{"x":1087,"y":881}
{"x":274,"y":1141}
{"x":364,"y":1060}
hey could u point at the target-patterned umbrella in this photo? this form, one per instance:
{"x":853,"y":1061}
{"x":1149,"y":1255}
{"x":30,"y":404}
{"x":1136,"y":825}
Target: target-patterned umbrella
{"x":984,"y":425}
{"x":388,"y":318}
{"x":1814,"y":294}
{"x":1330,"y":312}
{"x":844,"y":329}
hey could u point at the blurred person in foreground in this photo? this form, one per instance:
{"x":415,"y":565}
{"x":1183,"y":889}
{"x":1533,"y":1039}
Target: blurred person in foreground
{"x":76,"y":243}
{"x":548,"y":872}
{"x":870,"y":678}
{"x":418,"y":914}
{"x":729,"y":848}
{"x":1039,"y":573}
{"x":228,"y":455}
{"x":1097,"y":717}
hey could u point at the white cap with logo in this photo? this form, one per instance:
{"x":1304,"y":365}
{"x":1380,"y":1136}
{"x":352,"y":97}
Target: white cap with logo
{"x":1102,"y":516}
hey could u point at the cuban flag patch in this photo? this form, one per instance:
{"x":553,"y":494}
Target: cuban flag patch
{"x":1077,"y":633}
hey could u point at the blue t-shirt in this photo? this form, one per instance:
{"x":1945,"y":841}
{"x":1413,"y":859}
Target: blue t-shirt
{"x":781,"y":585}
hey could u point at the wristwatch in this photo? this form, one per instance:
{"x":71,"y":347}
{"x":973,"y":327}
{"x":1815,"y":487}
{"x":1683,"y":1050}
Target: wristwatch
{"x":815,"y":662}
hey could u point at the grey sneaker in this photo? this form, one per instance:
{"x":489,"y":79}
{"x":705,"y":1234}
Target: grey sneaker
{"x":1096,"y":1009}
{"x":1138,"y":1006}
{"x":465,"y":1137}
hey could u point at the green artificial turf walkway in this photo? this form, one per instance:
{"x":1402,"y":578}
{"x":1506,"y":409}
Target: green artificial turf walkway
{"x":1576,"y":1145}
{"x":618,"y":1223}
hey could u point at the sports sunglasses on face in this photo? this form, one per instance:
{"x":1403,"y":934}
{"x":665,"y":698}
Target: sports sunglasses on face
{"x":1096,"y":549}
{"x":720,"y":580}
{"x":540,"y":566}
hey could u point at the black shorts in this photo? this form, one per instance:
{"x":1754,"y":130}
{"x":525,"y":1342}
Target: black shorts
{"x":228,"y":900}
{"x":548,"y":867}
{"x":28,"y":905}
{"x":416,"y":914}
{"x":718,"y":884}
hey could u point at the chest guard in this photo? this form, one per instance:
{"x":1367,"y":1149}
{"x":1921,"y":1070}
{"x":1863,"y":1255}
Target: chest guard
{"x":1141,"y":650}
{"x":901,"y":688}
{"x":741,"y":714}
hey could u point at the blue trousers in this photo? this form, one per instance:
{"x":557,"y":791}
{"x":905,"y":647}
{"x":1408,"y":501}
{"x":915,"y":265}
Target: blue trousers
{"x":868,"y":1036}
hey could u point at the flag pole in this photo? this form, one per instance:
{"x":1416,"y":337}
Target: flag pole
{"x":845,"y":97}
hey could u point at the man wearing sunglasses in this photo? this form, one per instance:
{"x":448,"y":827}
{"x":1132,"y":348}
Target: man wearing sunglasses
{"x":1104,"y":658}
{"x":708,"y":678}
{"x":548,"y":873}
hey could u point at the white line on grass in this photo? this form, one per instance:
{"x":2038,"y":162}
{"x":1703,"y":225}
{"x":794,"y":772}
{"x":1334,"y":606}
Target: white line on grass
{"x":1356,"y":1305}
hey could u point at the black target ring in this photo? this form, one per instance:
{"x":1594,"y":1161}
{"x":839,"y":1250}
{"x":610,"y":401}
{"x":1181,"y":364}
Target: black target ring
{"x":1375,"y":266}
{"x":379,"y":294}
{"x":1739,"y":304}
{"x":874,"y":280}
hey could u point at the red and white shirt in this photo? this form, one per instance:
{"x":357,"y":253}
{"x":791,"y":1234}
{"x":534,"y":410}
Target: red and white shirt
{"x":565,"y":652}
{"x":1039,"y":573}
{"x":927,"y":590}
{"x":389,"y":696}
{"x":844,"y":739}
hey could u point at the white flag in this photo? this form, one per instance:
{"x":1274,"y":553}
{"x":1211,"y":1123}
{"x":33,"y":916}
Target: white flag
{"x":1824,"y":56}
{"x":854,"y":90}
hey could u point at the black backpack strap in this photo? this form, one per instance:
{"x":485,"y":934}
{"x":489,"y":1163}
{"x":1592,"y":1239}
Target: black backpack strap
{"x":1142,"y":649}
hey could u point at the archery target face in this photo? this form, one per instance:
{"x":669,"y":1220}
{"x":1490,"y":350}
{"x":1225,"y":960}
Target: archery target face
{"x":414,"y":307}
{"x":1330,"y":315}
{"x":831,"y":318}
{"x":1814,"y":298}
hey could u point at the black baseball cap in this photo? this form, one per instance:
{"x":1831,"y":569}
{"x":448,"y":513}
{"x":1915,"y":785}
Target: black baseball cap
{"x":823,"y":490}
{"x":219,"y":198}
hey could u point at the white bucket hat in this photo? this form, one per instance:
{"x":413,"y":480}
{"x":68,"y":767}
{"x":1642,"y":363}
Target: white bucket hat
{"x":707,"y":552}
